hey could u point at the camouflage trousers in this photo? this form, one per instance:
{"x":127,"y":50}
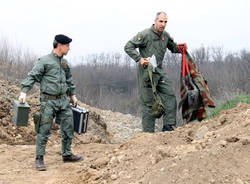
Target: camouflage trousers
{"x":164,"y":89}
{"x":49,"y":109}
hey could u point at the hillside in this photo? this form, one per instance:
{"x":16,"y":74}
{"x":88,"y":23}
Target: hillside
{"x":213,"y":151}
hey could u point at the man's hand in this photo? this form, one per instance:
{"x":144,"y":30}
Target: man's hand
{"x":22,"y":97}
{"x":182,"y":45}
{"x":73,"y":100}
{"x":144,"y":61}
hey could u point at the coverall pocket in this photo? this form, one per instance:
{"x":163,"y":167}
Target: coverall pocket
{"x":147,"y":94}
{"x":37,"y":119}
{"x":42,"y":106}
{"x":46,"y":119}
{"x":45,"y":113}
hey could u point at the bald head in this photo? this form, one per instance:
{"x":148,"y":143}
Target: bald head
{"x":161,"y":20}
{"x":160,"y":14}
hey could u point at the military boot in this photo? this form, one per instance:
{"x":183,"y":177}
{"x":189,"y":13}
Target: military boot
{"x":72,"y":158}
{"x":167,"y":128}
{"x":40,"y":164}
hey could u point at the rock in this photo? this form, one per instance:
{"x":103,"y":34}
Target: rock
{"x":5,"y":123}
{"x":3,"y":146}
{"x":101,"y":162}
{"x":203,"y":145}
{"x":19,"y":136}
{"x":137,"y":130}
{"x":2,"y":114}
{"x":124,"y":174}
{"x":222,"y":143}
{"x":245,"y":141}
{"x":232,"y":139}
{"x":174,"y":164}
{"x":185,"y":172}
{"x":121,"y":158}
{"x":200,"y":133}
{"x":166,"y":152}
{"x":223,"y":120}
{"x":212,"y":181}
{"x":239,"y":181}
{"x":113,"y":176}
{"x":114,"y":161}
{"x":155,"y":159}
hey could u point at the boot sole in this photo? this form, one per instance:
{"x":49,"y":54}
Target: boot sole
{"x":41,"y":169}
{"x":65,"y":161}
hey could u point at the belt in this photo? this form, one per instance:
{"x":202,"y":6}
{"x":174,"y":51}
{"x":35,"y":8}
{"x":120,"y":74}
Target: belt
{"x":53,"y":97}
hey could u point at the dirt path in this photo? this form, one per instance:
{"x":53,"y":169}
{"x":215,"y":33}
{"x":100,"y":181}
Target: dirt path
{"x":17,"y":163}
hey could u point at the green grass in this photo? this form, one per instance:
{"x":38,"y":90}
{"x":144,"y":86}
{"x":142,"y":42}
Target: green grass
{"x":228,"y":105}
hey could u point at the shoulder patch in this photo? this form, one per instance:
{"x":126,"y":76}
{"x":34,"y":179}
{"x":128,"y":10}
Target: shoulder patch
{"x":64,"y":65}
{"x":139,"y":37}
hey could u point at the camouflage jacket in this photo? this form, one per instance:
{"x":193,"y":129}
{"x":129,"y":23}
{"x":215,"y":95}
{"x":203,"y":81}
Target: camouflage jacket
{"x":206,"y":99}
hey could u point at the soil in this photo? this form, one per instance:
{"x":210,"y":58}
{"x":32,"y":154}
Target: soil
{"x":115,"y":151}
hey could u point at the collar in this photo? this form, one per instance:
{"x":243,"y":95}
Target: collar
{"x":56,"y":56}
{"x":152,"y":28}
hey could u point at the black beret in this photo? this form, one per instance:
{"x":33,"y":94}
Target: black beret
{"x":62,"y":39}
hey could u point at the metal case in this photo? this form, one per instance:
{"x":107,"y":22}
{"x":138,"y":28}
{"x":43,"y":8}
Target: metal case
{"x":21,"y":113}
{"x":80,"y":118}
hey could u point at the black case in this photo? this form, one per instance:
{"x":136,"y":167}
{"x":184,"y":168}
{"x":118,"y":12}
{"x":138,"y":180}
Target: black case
{"x":80,"y":118}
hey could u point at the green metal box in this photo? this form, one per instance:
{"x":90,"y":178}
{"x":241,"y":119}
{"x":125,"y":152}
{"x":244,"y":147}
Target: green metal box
{"x":21,"y":113}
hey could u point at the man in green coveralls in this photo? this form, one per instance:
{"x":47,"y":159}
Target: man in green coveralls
{"x":54,"y":75}
{"x":154,"y":41}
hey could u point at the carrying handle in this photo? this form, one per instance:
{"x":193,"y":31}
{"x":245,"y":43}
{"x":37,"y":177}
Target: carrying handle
{"x":182,"y":47}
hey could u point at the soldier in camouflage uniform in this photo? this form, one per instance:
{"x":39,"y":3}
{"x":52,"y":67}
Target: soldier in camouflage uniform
{"x":54,"y":76}
{"x":154,"y":41}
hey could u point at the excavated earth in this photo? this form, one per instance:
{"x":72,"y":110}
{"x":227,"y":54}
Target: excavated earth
{"x":115,"y":151}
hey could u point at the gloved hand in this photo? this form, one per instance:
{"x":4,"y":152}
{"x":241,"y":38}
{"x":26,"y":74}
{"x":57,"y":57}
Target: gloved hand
{"x":73,"y":100}
{"x":22,"y":97}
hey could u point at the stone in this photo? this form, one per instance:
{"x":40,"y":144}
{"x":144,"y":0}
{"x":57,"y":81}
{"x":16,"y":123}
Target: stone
{"x":114,"y":161}
{"x":200,"y":133}
{"x":113,"y":176}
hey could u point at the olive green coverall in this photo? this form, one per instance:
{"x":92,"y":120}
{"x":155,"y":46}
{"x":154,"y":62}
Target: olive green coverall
{"x":54,"y":76}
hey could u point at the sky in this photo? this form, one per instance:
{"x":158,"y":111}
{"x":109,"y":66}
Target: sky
{"x":98,"y":26}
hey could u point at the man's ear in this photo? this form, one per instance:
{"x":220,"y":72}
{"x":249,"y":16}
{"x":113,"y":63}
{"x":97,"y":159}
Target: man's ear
{"x":59,"y":46}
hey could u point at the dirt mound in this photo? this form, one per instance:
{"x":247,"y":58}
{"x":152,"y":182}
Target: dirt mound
{"x":214,"y":151}
{"x":103,"y":127}
{"x":9,"y":133}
